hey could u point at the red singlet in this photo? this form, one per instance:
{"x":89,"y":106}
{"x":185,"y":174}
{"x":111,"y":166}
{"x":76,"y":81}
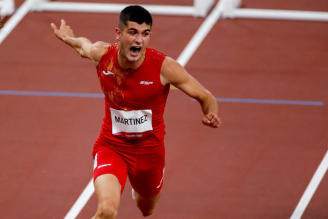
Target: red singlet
{"x":132,"y":134}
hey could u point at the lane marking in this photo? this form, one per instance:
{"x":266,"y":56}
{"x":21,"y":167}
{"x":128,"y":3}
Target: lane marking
{"x":310,"y":190}
{"x":81,"y":201}
{"x":51,"y":94}
{"x":263,"y":101}
{"x":220,"y":99}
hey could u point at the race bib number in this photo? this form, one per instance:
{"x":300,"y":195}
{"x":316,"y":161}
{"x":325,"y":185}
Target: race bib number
{"x":134,"y":121}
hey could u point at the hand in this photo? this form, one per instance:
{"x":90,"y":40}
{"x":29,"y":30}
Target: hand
{"x":64,"y":31}
{"x":211,"y":120}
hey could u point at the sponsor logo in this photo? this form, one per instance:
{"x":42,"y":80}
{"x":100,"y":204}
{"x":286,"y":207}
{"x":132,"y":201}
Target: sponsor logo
{"x":107,"y":72}
{"x":104,"y":165}
{"x":146,"y":82}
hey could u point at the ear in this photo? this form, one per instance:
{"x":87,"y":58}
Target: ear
{"x":117,"y":33}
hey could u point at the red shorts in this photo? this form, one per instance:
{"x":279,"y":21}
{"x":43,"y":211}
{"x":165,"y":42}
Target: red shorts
{"x":143,"y":165}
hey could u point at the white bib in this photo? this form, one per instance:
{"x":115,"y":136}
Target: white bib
{"x":134,"y":121}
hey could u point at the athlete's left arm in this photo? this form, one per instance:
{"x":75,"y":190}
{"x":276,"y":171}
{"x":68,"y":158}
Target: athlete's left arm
{"x":173,"y":73}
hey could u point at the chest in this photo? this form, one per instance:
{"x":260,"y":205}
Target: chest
{"x":130,"y":88}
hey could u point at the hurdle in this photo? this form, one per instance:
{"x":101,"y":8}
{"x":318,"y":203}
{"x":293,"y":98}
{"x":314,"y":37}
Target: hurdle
{"x":233,"y":11}
{"x":7,"y":7}
{"x":200,"y":8}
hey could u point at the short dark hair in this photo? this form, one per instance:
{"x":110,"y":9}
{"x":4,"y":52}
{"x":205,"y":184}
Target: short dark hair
{"x":134,"y":13}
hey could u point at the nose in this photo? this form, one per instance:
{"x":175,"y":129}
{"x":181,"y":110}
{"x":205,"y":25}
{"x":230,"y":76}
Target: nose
{"x":138,"y":38}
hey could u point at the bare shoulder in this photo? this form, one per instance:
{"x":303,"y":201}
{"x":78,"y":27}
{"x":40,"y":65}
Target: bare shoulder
{"x":98,"y":49}
{"x":168,"y":64}
{"x":172,"y":72}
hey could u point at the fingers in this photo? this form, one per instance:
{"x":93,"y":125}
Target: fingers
{"x":55,"y":29}
{"x":53,"y":26}
{"x":62,"y":31}
{"x":211,"y":120}
{"x":62,"y":22}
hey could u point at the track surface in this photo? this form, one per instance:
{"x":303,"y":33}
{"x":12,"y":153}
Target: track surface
{"x":257,"y":165}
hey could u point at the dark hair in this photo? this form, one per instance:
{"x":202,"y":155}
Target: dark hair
{"x":134,"y":13}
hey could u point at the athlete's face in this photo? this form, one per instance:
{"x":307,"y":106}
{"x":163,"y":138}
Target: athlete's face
{"x":133,"y":40}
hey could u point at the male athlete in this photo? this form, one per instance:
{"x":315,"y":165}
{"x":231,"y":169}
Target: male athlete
{"x":135,"y":80}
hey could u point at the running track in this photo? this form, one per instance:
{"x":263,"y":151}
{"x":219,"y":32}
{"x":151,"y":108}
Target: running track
{"x":270,"y":78}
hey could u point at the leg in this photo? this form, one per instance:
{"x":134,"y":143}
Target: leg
{"x":145,"y":204}
{"x":108,"y":191}
{"x":109,"y":179}
{"x":147,"y":180}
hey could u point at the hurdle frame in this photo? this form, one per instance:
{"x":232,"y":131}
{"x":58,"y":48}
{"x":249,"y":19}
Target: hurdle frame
{"x":233,"y":11}
{"x":199,"y":9}
{"x":7,"y":7}
{"x":230,"y":10}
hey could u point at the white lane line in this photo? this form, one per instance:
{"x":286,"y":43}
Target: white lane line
{"x":183,"y":59}
{"x":310,"y":190}
{"x":81,"y":201}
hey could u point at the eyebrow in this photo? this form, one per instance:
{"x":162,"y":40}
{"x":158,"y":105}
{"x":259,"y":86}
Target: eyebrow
{"x":132,"y":28}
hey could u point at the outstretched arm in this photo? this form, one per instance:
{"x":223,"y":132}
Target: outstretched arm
{"x":82,"y":45}
{"x":172,"y":72}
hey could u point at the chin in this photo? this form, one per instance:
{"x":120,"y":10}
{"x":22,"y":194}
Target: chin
{"x":133,"y":59}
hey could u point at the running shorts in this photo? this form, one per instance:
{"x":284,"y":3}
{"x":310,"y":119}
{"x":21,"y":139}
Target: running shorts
{"x":143,"y":165}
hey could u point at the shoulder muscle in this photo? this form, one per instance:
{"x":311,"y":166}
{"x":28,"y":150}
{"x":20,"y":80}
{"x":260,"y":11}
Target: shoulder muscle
{"x":173,"y":73}
{"x":97,"y":50}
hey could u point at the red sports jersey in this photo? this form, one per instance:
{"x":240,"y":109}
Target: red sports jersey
{"x":134,"y":99}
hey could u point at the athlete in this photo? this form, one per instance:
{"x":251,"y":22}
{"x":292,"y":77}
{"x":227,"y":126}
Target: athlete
{"x":135,"y":80}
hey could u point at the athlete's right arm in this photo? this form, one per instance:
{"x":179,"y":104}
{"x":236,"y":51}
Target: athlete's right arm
{"x":82,"y":45}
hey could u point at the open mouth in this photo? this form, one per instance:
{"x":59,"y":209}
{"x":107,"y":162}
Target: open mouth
{"x":135,"y":50}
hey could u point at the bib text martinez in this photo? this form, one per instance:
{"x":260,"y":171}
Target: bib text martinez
{"x":131,"y":121}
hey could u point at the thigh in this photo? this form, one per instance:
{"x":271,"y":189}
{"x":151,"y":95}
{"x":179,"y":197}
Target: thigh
{"x":108,"y":162}
{"x":147,"y":177}
{"x":108,"y":191}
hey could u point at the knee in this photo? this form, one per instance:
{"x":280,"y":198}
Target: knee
{"x":147,"y":212}
{"x":146,"y":206}
{"x":106,"y":211}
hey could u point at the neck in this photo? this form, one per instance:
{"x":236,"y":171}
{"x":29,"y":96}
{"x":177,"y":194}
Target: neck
{"x":129,"y":65}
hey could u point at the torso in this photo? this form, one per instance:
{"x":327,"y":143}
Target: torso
{"x":136,"y":90}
